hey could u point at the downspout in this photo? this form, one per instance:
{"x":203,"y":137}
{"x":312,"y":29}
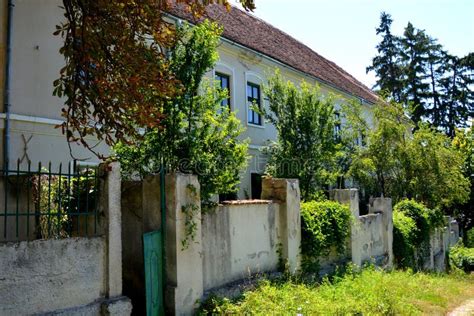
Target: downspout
{"x":6,"y":90}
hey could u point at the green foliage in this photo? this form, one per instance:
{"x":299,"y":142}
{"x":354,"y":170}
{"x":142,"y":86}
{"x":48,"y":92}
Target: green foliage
{"x":199,"y":136}
{"x":415,"y":70}
{"x":325,"y":226}
{"x":116,"y":71}
{"x":462,"y":258}
{"x":470,"y":238}
{"x":377,"y":166}
{"x":386,"y":63}
{"x":404,"y":236}
{"x":434,"y":170}
{"x":306,"y":147}
{"x":371,"y":292}
{"x":423,"y":165}
{"x":464,"y":143}
{"x":412,"y":225}
{"x":56,"y":197}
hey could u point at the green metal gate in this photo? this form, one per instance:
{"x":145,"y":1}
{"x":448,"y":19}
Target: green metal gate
{"x":152,"y":243}
{"x":153,"y":250}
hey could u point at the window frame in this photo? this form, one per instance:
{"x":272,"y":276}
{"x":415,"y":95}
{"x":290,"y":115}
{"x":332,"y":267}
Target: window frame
{"x":217,"y":76}
{"x":250,"y":98}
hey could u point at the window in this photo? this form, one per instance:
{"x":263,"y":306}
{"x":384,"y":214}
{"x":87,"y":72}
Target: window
{"x":253,"y":97}
{"x":224,"y":81}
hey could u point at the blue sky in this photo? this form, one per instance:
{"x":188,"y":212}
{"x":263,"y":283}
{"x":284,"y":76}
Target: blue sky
{"x":344,"y":30}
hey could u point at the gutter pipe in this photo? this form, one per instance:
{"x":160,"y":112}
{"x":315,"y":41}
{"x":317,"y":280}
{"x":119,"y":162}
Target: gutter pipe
{"x":6,"y":91}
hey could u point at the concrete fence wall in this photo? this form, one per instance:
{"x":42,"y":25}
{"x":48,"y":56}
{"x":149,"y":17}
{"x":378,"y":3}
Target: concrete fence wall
{"x":74,"y":276}
{"x":232,"y":242}
{"x":240,"y":240}
{"x":372,"y":234}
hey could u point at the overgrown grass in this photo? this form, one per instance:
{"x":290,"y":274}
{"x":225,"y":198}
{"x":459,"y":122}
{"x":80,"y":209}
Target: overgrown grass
{"x":371,"y":292}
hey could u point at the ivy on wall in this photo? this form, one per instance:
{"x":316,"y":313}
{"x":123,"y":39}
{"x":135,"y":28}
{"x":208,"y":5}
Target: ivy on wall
{"x":413,"y":223}
{"x":325,"y":225}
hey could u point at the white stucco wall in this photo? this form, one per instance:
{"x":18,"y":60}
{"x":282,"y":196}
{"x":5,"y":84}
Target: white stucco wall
{"x":239,"y":241}
{"x":47,"y":275}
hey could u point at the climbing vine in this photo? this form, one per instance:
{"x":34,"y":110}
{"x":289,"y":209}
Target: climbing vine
{"x":413,"y":223}
{"x":190,"y":211}
{"x":325,"y":226}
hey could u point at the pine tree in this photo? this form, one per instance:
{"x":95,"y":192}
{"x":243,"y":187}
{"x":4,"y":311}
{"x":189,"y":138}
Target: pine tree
{"x":457,"y":95}
{"x":386,"y":64}
{"x":414,"y":56}
{"x":434,"y":64}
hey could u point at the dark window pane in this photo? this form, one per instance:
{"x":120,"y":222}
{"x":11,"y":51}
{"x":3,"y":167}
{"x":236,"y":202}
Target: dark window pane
{"x":256,"y":185}
{"x":224,"y":84}
{"x":253,"y":97}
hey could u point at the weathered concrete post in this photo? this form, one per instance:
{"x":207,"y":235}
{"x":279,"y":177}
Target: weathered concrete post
{"x":111,"y":206}
{"x":184,"y":267}
{"x":287,"y":192}
{"x":384,"y":206}
{"x":350,"y":197}
{"x":454,"y":232}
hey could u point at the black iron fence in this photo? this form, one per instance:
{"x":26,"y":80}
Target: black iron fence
{"x":43,"y":202}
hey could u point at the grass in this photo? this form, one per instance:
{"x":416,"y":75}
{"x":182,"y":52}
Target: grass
{"x":371,"y":292}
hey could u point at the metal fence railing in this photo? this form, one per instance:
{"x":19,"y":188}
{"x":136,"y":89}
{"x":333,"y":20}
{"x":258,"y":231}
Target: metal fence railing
{"x":42,"y":202}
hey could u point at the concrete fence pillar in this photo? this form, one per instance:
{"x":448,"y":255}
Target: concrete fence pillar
{"x":183,"y":250}
{"x":384,"y":206}
{"x":110,"y":206}
{"x":453,"y":232}
{"x":287,"y":192}
{"x":350,"y":197}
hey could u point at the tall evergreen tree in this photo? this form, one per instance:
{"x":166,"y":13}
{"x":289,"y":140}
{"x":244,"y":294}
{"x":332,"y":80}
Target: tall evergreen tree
{"x":414,"y":56}
{"x":387,"y":63}
{"x":415,"y":70}
{"x":457,"y":94}
{"x":434,"y":64}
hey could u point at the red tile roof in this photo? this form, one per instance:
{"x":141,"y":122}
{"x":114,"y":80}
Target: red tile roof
{"x":249,"y":31}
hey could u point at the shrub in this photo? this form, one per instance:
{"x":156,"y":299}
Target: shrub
{"x":461,"y":257}
{"x":325,"y":225}
{"x":412,"y":224}
{"x":470,"y":238}
{"x":404,"y":235}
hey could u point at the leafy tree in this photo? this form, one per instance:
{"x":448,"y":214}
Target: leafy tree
{"x":387,"y":63}
{"x":199,"y":135}
{"x":464,"y":142}
{"x":306,"y":146}
{"x":116,"y":73}
{"x":377,"y":167}
{"x":435,"y":170}
{"x":423,"y":165}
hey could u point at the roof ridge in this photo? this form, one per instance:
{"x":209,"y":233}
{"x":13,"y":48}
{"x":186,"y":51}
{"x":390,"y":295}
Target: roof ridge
{"x":254,"y":33}
{"x":326,"y":60}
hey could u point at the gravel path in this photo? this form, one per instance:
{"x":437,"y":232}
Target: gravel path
{"x":466,"y":309}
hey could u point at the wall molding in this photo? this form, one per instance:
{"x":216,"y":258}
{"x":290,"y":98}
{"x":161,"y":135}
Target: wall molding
{"x":31,"y":119}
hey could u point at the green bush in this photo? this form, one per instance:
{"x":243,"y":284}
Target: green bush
{"x":325,"y":225}
{"x":404,"y":236}
{"x":461,"y":257}
{"x":412,"y":224}
{"x":470,"y":238}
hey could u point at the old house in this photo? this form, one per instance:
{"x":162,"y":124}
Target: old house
{"x":250,"y":51}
